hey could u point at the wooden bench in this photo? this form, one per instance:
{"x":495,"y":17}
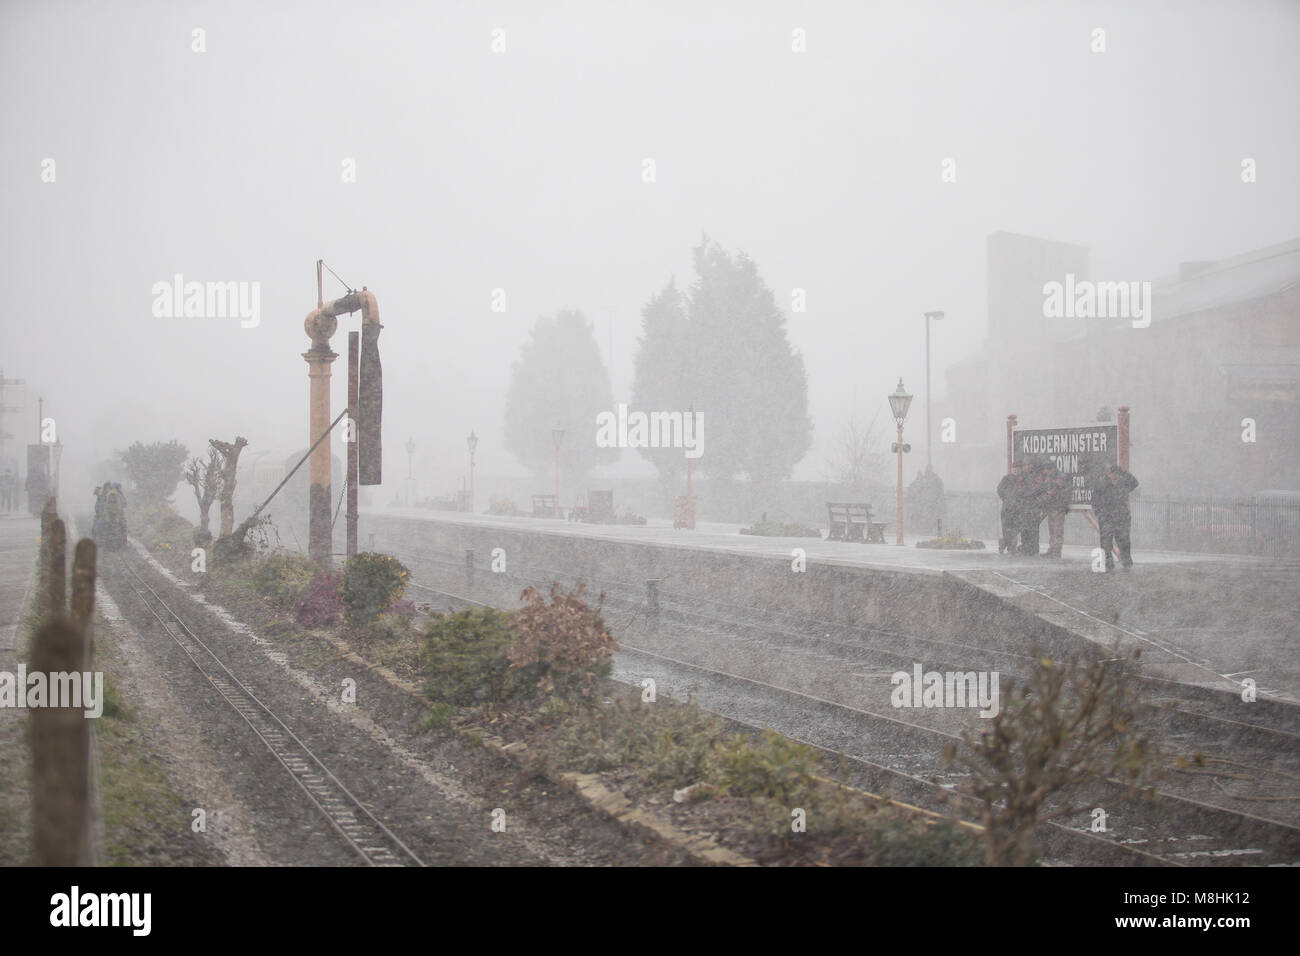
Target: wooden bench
{"x":851,"y":521}
{"x":544,"y":506}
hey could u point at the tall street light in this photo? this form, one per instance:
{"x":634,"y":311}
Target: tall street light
{"x":690,"y":494}
{"x":410,"y":452}
{"x":899,"y":403}
{"x":472,"y":442}
{"x":929,"y":433}
{"x":557,"y":435}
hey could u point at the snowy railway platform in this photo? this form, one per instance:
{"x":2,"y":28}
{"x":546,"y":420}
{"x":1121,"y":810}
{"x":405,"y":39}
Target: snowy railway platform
{"x":1212,"y":621}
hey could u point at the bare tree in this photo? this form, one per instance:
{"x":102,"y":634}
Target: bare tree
{"x":230,"y":462}
{"x":205,"y":478}
{"x":858,"y":453}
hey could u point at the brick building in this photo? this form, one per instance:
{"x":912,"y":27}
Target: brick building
{"x":1223,"y":345}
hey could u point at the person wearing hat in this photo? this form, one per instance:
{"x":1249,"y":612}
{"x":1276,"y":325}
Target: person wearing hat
{"x":1110,"y":491}
{"x":1011,"y":492}
{"x":1031,"y":506}
{"x":1055,"y":489}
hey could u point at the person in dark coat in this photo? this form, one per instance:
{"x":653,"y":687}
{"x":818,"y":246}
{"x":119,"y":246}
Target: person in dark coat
{"x":1031,"y":506}
{"x":1009,"y":490}
{"x":1110,"y":491}
{"x":1055,"y":488}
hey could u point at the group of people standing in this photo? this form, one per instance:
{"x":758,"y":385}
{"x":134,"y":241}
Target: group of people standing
{"x":1033,"y":491}
{"x":1037,"y":489}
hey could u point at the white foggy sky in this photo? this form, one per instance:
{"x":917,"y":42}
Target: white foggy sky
{"x":522,"y":170}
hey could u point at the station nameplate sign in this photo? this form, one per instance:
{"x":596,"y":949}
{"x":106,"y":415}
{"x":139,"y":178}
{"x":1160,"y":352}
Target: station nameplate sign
{"x":1077,"y":450}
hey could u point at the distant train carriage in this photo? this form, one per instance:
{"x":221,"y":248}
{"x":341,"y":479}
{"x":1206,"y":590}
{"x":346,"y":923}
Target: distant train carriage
{"x":109,"y":530}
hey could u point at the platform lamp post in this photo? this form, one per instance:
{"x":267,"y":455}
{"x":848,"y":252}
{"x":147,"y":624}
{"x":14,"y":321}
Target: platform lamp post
{"x":929,"y":433}
{"x":690,"y":493}
{"x":410,"y":480}
{"x":557,"y":435}
{"x":899,"y":403}
{"x":472,"y":443}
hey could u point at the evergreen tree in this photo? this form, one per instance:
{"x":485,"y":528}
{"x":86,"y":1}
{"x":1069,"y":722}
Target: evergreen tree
{"x":733,"y":361}
{"x":155,"y":469}
{"x":559,"y":377}
{"x":660,"y":382}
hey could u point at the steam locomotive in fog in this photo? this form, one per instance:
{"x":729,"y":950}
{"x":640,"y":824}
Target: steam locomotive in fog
{"x":109,"y":529}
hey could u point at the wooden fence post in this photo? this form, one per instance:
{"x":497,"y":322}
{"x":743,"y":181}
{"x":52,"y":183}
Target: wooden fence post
{"x":56,"y":570}
{"x":60,"y":742}
{"x":83,"y":594}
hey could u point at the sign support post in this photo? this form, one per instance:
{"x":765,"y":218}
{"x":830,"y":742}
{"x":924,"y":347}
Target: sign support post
{"x":1011,"y":425}
{"x":1123,"y":421}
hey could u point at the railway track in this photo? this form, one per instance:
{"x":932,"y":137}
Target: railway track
{"x":372,"y":842}
{"x":1180,"y":830}
{"x":680,"y":677}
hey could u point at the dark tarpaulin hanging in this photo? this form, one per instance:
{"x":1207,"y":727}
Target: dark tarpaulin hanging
{"x":370,"y":408}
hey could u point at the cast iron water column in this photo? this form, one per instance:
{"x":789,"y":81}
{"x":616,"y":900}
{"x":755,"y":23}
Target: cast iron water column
{"x":320,"y":324}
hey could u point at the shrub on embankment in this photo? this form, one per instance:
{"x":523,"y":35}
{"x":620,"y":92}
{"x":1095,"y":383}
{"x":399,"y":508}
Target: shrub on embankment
{"x":366,"y":595}
{"x":160,"y":528}
{"x":321,"y":604}
{"x":283,"y":579}
{"x":767,"y":790}
{"x":372,"y":583}
{"x":676,"y":746}
{"x":484,"y":655}
{"x":466,"y":659}
{"x":564,"y":645}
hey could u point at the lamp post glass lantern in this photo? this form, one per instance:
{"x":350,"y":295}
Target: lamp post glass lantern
{"x":899,"y":402}
{"x":557,"y":435}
